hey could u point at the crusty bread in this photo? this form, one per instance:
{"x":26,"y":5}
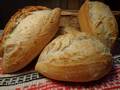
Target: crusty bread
{"x":26,"y":34}
{"x":75,"y":57}
{"x":97,"y":19}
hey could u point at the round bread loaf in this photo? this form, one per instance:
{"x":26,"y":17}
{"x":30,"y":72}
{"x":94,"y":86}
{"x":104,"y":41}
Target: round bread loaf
{"x":96,"y":19}
{"x":75,"y":57}
{"x":26,"y":34}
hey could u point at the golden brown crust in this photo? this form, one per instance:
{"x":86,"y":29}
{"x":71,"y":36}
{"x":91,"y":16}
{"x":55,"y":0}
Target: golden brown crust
{"x":76,"y":72}
{"x":21,"y":13}
{"x":22,"y":47}
{"x":75,"y":57}
{"x":83,"y":17}
{"x":96,"y":19}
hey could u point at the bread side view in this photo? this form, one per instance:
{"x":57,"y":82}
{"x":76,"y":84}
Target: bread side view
{"x":75,"y":57}
{"x":26,"y":34}
{"x":96,"y":19}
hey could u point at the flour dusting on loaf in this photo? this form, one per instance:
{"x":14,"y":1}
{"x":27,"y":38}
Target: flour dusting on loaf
{"x":28,"y":37}
{"x":97,"y":19}
{"x":73,"y":47}
{"x":75,"y":57}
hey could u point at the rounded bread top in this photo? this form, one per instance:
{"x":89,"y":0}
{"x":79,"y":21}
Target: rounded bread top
{"x":104,"y":24}
{"x":75,"y":47}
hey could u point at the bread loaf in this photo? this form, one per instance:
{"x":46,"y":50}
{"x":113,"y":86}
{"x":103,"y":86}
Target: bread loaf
{"x":96,"y":19}
{"x":74,"y":57}
{"x":26,"y":34}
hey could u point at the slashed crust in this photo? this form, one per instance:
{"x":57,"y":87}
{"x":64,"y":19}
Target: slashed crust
{"x":98,"y":21}
{"x":18,"y":55}
{"x":20,"y":14}
{"x":75,"y":57}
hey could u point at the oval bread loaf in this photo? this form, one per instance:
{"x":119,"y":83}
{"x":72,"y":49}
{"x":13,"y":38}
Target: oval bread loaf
{"x":75,"y":57}
{"x":26,"y":34}
{"x":96,"y":19}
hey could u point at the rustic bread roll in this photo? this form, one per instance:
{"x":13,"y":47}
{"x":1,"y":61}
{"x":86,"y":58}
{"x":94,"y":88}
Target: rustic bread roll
{"x":26,"y":34}
{"x":96,"y":19}
{"x":75,"y":57}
